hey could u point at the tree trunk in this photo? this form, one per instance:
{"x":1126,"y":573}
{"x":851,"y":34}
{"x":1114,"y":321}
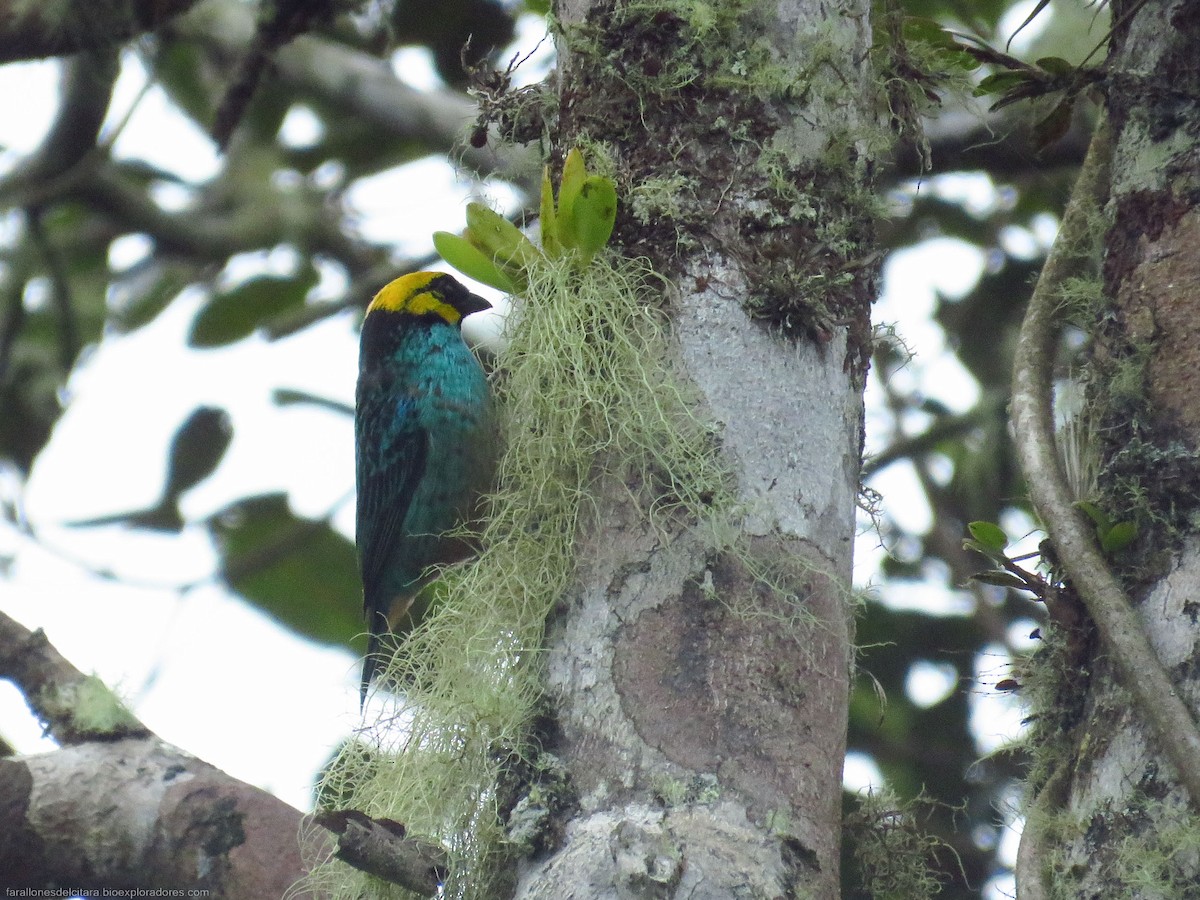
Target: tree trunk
{"x":1114,"y":820}
{"x":700,"y":684}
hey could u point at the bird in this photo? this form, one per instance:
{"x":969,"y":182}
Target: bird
{"x":425,"y":447}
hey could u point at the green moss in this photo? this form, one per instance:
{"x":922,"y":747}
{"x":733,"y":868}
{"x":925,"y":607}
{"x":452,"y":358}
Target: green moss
{"x":1148,"y":475}
{"x":665,"y":197}
{"x":92,"y":710}
{"x":890,"y":853}
{"x":1148,"y":848}
{"x":535,"y":798}
{"x":917,"y":62}
{"x":703,"y":788}
{"x":1055,"y":682}
{"x":720,"y":77}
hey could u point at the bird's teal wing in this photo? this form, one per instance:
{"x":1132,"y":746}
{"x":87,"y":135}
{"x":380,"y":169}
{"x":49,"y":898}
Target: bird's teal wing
{"x":391,"y":449}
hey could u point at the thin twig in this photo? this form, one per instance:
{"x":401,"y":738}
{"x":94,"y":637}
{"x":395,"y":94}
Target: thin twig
{"x":381,"y":848}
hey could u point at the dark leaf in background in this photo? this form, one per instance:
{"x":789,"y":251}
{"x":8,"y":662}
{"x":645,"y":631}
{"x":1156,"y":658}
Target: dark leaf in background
{"x":293,"y":397}
{"x":197,"y":449}
{"x":195,"y":452}
{"x":300,"y":572}
{"x":145,"y":290}
{"x":55,"y":278}
{"x":29,"y":400}
{"x":447,"y":26}
{"x":1001,"y":579}
{"x":979,"y":15}
{"x":185,"y":71}
{"x":983,"y":324}
{"x":234,"y":314}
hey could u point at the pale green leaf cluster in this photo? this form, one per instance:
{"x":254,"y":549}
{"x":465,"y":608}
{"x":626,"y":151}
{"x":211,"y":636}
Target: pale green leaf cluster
{"x":494,"y":251}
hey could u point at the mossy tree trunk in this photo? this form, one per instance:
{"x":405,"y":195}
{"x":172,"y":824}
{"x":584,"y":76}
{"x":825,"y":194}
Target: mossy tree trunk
{"x":1110,"y":816}
{"x":700,"y":680}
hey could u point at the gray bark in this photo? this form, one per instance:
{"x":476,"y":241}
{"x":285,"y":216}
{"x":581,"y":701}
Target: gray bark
{"x":1126,"y":827}
{"x":701,"y":701}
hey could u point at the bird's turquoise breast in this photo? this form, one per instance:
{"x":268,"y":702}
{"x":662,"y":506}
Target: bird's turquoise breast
{"x":452,"y":405}
{"x":455,"y":411}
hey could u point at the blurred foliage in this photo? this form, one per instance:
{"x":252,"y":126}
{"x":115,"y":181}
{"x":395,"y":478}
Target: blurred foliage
{"x":61,"y":293}
{"x":195,"y":452}
{"x":303,"y":573}
{"x":465,"y":32}
{"x":963,"y":461}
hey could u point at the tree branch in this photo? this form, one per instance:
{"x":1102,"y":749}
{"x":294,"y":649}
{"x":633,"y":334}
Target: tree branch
{"x":86,"y":86}
{"x":1139,"y":668}
{"x":73,"y":707}
{"x":364,"y":86}
{"x":139,"y":814}
{"x":37,"y":30}
{"x":380,"y":847}
{"x":1037,"y":839}
{"x":117,"y":807}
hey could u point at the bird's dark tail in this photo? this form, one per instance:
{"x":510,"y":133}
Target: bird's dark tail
{"x":373,"y":660}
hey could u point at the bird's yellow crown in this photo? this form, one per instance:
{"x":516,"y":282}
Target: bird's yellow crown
{"x":415,"y":294}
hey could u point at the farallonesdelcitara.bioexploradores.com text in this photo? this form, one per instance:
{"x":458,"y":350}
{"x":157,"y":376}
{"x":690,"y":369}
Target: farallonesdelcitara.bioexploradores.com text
{"x":125,"y":893}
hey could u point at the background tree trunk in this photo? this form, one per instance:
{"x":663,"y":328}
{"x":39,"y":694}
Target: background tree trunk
{"x":1127,"y":828}
{"x":701,"y":691}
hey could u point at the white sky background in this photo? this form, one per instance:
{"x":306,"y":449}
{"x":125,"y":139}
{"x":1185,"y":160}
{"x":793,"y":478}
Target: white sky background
{"x":205,"y":670}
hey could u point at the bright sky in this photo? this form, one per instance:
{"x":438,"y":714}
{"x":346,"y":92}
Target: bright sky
{"x":203,"y":669}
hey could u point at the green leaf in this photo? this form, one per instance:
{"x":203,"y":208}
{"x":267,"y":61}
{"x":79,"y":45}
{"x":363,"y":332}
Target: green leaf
{"x":1041,"y":5}
{"x":958,"y":60}
{"x":302,"y":573}
{"x":985,"y":550}
{"x":293,"y":397}
{"x":593,"y":214}
{"x":141,"y":296}
{"x":1056,"y":65}
{"x":471,"y":261}
{"x":989,"y":534}
{"x":234,"y":314}
{"x":1098,"y":516}
{"x":500,"y":239}
{"x":197,"y":449}
{"x":918,"y":29}
{"x":180,"y":68}
{"x":1001,"y":82}
{"x":1118,"y":537}
{"x":551,"y":244}
{"x":573,"y":175}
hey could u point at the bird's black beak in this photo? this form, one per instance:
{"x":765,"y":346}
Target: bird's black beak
{"x":471,"y":303}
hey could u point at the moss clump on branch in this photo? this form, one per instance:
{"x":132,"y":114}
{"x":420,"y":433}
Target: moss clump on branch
{"x":889,"y":855}
{"x":1154,"y":857}
{"x":739,"y":165}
